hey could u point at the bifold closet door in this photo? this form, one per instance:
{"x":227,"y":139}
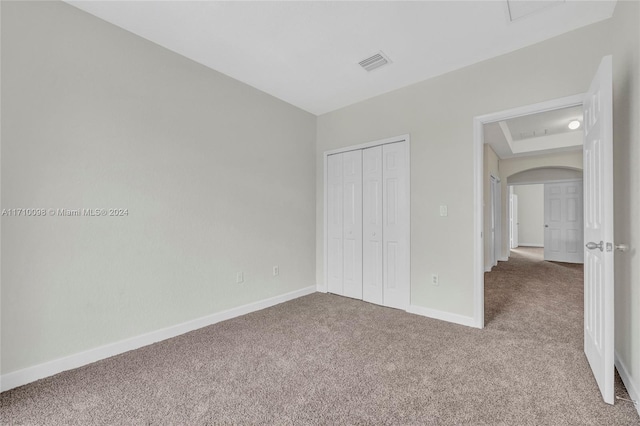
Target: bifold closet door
{"x":395,"y":219}
{"x":352,"y":223}
{"x":372,"y":225}
{"x":334,"y":223}
{"x":344,"y":220}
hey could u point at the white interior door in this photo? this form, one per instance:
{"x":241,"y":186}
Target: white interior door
{"x":598,"y":230}
{"x":372,"y":225}
{"x":563,"y":222}
{"x":514,"y":220}
{"x":497,"y":220}
{"x":492,"y":237}
{"x":334,"y":224}
{"x":395,"y":217}
{"x":352,"y":223}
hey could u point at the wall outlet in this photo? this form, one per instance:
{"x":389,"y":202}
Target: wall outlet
{"x":276,"y":271}
{"x":444,"y":210}
{"x":434,"y":279}
{"x":239,"y":278}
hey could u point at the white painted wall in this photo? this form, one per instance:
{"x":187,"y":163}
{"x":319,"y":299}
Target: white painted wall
{"x":626,"y":153}
{"x":438,"y":113}
{"x":530,"y":215}
{"x":217,"y":178}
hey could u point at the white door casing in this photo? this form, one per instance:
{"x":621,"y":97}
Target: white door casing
{"x":372,"y":257}
{"x":598,"y":230}
{"x":352,"y":223}
{"x":395,"y":216}
{"x":563,"y":221}
{"x":334,"y":224}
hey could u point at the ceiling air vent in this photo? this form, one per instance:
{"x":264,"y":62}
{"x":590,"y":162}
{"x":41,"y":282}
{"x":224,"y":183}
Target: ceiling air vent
{"x":375,"y":61}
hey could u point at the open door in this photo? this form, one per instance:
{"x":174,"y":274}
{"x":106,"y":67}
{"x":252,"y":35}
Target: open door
{"x":598,"y":230}
{"x":513,"y":220}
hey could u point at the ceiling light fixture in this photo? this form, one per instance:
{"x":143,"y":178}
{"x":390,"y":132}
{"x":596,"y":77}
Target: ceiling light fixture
{"x":573,"y":125}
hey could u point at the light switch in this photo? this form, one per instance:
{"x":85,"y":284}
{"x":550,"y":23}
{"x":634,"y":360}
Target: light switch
{"x":444,"y":211}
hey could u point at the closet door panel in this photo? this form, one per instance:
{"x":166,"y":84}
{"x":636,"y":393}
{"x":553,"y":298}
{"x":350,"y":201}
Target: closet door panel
{"x":372,"y":225}
{"x":334,"y":224}
{"x":395,"y":217}
{"x":352,"y":223}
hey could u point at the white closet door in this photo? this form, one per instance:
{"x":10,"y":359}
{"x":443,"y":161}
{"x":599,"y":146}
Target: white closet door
{"x":395,"y":219}
{"x":352,"y":223}
{"x":372,"y":225}
{"x":334,"y":224}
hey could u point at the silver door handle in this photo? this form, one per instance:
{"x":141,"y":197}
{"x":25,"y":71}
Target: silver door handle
{"x":591,"y":245}
{"x":622,"y":247}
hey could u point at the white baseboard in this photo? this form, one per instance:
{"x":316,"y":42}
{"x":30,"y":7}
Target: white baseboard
{"x":40,"y":371}
{"x":530,"y":245}
{"x":632,"y":388}
{"x":442,"y":315}
{"x":504,"y":259}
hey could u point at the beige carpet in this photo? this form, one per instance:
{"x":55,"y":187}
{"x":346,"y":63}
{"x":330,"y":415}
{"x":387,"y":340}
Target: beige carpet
{"x":325,"y":359}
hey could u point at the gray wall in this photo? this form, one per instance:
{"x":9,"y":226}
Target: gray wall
{"x":530,"y":215}
{"x":626,"y":153}
{"x":217,"y":177}
{"x":438,"y":113}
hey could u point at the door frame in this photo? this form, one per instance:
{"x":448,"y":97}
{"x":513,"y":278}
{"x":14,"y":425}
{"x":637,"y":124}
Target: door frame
{"x":323,"y":287}
{"x":478,"y":197}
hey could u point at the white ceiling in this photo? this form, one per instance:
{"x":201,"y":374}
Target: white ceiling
{"x":307,"y":53}
{"x":535,"y":134}
{"x":544,"y":123}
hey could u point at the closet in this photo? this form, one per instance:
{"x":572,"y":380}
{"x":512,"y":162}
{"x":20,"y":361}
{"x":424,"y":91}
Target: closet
{"x":367,"y":193}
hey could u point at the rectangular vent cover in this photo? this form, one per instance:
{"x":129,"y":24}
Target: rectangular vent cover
{"x":375,"y":61}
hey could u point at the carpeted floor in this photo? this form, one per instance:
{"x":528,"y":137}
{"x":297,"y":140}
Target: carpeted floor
{"x":325,"y":359}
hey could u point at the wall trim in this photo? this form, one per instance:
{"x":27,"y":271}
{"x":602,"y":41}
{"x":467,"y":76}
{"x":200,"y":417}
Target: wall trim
{"x":530,"y":245}
{"x":443,"y":316}
{"x":632,"y":388}
{"x":40,"y":371}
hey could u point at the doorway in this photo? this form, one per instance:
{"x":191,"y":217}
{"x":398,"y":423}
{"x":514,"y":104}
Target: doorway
{"x":598,"y":282}
{"x":483,"y":168}
{"x":548,"y":214}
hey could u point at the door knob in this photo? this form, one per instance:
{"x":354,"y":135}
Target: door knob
{"x":592,"y":246}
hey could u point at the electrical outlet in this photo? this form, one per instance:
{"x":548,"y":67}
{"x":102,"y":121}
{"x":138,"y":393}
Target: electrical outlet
{"x":434,"y":279}
{"x":239,"y":278}
{"x":276,"y":271}
{"x":444,"y":210}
